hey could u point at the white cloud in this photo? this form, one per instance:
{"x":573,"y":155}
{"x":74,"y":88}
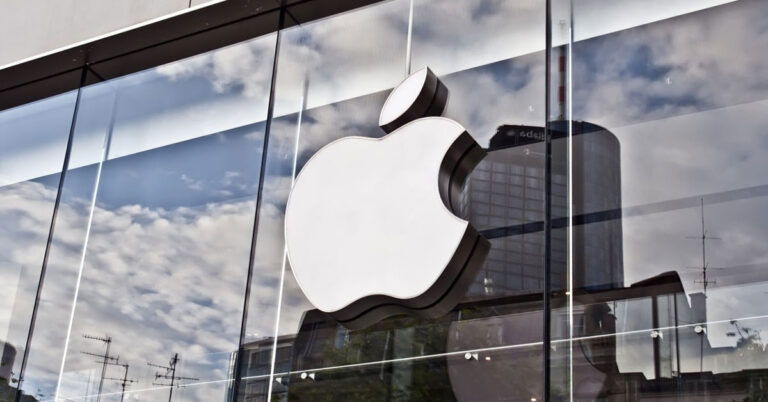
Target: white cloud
{"x":174,"y":279}
{"x":158,"y":281}
{"x":191,"y":183}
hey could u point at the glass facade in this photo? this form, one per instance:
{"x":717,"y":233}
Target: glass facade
{"x":141,"y":217}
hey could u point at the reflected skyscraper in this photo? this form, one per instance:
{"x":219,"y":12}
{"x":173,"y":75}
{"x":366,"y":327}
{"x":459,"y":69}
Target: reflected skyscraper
{"x":7,"y":358}
{"x":505,"y":196}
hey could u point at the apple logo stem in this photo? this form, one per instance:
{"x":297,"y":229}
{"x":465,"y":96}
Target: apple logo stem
{"x":382,"y":238}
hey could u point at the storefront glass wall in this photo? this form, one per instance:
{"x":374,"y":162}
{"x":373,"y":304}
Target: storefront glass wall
{"x":165,"y":268}
{"x":677,"y":85}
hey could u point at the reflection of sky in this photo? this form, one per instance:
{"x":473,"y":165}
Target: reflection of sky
{"x":33,"y":138}
{"x":195,"y":172}
{"x":685,"y":97}
{"x":183,"y":100}
{"x":165,"y":264}
{"x":169,"y":243}
{"x":175,"y":203}
{"x":446,"y":38}
{"x":646,"y":86}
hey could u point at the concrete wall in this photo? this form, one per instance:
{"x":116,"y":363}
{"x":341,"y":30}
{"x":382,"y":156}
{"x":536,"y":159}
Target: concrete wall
{"x":31,"y":27}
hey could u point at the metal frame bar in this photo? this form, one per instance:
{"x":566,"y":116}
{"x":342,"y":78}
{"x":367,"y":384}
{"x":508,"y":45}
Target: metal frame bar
{"x":259,"y":197}
{"x":49,"y":242}
{"x":546,"y":334}
{"x":165,"y":40}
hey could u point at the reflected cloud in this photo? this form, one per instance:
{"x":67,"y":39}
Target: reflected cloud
{"x":171,"y":278}
{"x":169,"y":245}
{"x":239,"y":68}
{"x":663,"y":69}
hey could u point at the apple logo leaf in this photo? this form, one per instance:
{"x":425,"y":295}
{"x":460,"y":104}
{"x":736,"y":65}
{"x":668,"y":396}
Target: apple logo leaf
{"x":370,"y":224}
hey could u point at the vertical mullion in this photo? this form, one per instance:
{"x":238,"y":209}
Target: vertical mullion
{"x":547,"y":308}
{"x":89,"y":225}
{"x":259,"y":197}
{"x":51,"y":228}
{"x":569,"y":188}
{"x":409,"y":40}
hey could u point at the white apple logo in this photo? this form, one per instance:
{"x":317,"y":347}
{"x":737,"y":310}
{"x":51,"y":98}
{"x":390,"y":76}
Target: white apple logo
{"x":369,"y":226}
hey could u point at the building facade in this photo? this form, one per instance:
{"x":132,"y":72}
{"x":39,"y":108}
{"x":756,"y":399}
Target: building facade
{"x":145,"y":171}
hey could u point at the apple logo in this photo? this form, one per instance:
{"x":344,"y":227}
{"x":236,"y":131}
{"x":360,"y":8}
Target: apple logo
{"x":370,"y":224}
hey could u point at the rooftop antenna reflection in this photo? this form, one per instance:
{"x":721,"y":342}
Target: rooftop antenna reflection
{"x":125,"y":381}
{"x":705,"y":281}
{"x":106,"y":358}
{"x":170,"y":374}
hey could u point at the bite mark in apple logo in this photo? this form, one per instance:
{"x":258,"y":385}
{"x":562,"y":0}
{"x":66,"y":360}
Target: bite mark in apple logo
{"x":370,"y":224}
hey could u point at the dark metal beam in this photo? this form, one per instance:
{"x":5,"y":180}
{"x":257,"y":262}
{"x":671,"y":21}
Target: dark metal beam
{"x":164,"y":41}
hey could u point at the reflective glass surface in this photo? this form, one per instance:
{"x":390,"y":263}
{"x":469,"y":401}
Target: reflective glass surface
{"x":33,"y":140}
{"x":676,"y":307}
{"x":502,"y":195}
{"x":167,"y":275}
{"x":152,"y":247}
{"x":330,"y":82}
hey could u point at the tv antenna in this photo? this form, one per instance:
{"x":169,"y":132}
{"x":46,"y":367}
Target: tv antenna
{"x":123,"y":381}
{"x":106,"y":358}
{"x":705,"y":281}
{"x":701,"y":329}
{"x":170,"y":374}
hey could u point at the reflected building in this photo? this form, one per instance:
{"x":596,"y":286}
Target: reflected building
{"x":8,"y":378}
{"x":7,"y":358}
{"x":505,"y":197}
{"x":407,"y":358}
{"x":255,"y":370}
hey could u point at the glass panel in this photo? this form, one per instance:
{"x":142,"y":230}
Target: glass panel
{"x":33,"y":140}
{"x":152,"y":248}
{"x":669,"y":148}
{"x":490,"y":374}
{"x":562,"y":362}
{"x":503,"y":197}
{"x":328,"y":85}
